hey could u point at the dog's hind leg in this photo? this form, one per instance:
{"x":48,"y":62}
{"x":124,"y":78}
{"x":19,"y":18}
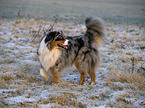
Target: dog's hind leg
{"x":82,"y":73}
{"x":43,"y":74}
{"x":82,"y":77}
{"x":92,"y":75}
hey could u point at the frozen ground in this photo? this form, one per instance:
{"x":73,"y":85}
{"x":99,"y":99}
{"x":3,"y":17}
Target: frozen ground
{"x":120,"y":77}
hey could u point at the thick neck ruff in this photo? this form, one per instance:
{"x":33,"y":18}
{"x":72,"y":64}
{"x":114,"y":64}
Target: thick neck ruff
{"x":48,"y":57}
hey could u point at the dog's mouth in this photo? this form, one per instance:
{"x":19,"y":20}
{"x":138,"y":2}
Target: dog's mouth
{"x":63,"y":46}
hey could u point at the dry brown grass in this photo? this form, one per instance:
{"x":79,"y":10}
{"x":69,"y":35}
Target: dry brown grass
{"x":3,"y":84}
{"x":28,"y":67}
{"x":114,"y":86}
{"x":65,"y":99}
{"x":101,"y":96}
{"x":33,"y":79}
{"x":133,"y":80}
{"x":6,"y":79}
{"x":5,"y":58}
{"x":26,"y":105}
{"x":3,"y":104}
{"x":119,"y":103}
{"x":12,"y":93}
{"x":27,"y":79}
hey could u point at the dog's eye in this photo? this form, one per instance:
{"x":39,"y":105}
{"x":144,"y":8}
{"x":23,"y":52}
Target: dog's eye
{"x":59,"y":39}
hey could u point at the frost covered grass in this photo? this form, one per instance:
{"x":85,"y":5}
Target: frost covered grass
{"x":119,"y":78}
{"x":64,"y":99}
{"x":132,"y":80}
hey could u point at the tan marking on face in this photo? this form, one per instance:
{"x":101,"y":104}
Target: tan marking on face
{"x":54,"y":44}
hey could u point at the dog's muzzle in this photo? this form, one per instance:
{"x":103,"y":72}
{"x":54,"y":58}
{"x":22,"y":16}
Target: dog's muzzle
{"x":66,"y":42}
{"x":65,"y":45}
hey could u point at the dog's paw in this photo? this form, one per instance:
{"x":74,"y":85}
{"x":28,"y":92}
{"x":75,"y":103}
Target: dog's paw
{"x":46,"y":78}
{"x":92,"y":83}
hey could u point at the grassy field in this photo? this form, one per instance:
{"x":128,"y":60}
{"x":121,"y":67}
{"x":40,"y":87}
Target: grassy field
{"x":119,"y":79}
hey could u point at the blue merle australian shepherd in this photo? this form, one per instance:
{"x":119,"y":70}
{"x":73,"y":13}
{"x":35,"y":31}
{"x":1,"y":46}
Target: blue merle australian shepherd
{"x":57,"y":51}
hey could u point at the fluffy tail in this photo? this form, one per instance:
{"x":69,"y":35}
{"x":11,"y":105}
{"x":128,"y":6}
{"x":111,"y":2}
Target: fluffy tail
{"x":95,"y":29}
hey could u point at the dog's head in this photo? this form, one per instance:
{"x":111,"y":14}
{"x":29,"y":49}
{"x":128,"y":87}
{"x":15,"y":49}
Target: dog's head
{"x":56,"y":39}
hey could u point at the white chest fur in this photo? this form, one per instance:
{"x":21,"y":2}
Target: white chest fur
{"x":47,"y":58}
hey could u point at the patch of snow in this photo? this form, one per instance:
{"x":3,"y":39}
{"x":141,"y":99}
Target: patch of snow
{"x":102,"y":106}
{"x":16,"y":99}
{"x":49,"y":105}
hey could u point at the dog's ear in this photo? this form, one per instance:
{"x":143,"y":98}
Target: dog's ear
{"x":48,"y":43}
{"x":49,"y":38}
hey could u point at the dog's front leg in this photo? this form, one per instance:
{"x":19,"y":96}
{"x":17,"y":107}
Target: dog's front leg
{"x":43,"y":74}
{"x":55,"y":75}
